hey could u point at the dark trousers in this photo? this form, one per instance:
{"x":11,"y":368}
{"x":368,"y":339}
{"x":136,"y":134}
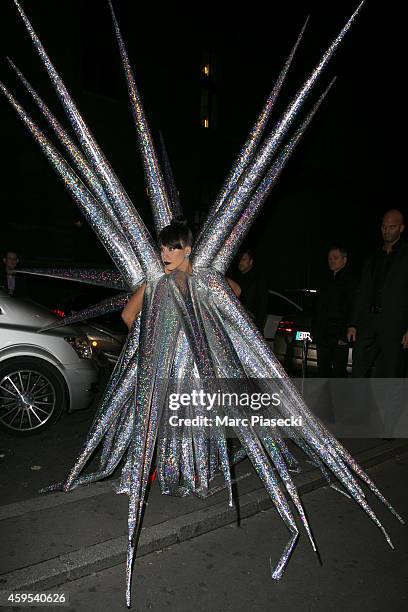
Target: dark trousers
{"x":332,"y":359}
{"x":378,"y":350}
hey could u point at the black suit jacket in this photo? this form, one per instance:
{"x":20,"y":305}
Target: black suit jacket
{"x":333,"y":308}
{"x":394,"y":307}
{"x":20,"y":288}
{"x":254,"y":295}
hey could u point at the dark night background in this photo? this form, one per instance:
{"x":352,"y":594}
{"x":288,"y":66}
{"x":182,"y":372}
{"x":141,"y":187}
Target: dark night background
{"x":345,"y":174}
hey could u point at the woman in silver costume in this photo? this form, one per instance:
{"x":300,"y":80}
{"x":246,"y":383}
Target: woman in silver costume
{"x":186,"y":323}
{"x":175,"y":242}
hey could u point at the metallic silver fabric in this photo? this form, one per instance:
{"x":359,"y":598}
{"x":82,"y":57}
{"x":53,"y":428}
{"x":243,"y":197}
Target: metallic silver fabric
{"x":192,"y":329}
{"x":110,"y":304}
{"x":224,"y":258}
{"x":111,"y":279}
{"x":160,"y":200}
{"x":132,"y":225}
{"x":76,"y":155}
{"x":113,"y":241}
{"x":216,"y":232}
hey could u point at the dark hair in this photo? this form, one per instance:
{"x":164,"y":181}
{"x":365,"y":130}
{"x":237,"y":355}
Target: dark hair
{"x":248,"y":252}
{"x":177,"y":235}
{"x":342,"y":250}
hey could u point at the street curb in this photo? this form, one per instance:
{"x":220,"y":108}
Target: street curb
{"x":85,"y":561}
{"x":58,"y":498}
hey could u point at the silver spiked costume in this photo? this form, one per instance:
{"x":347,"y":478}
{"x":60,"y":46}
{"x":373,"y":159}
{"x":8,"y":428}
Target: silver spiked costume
{"x":191,"y":326}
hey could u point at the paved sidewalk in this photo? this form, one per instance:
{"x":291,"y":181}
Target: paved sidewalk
{"x":58,"y":537}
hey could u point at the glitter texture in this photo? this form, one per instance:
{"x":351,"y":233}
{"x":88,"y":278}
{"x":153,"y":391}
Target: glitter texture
{"x":90,"y":276}
{"x":133,"y":227}
{"x":217,"y":230}
{"x":160,"y":201}
{"x":110,"y":304}
{"x":192,"y":327}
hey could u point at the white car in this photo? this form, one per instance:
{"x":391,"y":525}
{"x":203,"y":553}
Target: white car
{"x":41,"y":374}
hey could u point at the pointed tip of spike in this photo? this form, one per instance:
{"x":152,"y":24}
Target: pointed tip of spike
{"x":275,"y":575}
{"x":19,"y":7}
{"x":14,"y":67}
{"x":358,"y":9}
{"x":112,"y":10}
{"x":387,"y":537}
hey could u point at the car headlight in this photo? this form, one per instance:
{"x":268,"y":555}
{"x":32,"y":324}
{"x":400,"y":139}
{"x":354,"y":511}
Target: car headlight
{"x":81,"y":346}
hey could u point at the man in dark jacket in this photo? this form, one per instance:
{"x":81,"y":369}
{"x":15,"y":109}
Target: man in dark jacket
{"x":254,"y":293}
{"x":332,"y":316}
{"x":13,"y":283}
{"x":379,"y":324}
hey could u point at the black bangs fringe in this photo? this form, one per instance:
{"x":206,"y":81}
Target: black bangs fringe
{"x":176,"y":235}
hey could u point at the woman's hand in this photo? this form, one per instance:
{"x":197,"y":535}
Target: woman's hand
{"x":134,"y":306}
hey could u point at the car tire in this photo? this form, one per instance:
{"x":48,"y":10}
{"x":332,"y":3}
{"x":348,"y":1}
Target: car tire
{"x":32,"y":396}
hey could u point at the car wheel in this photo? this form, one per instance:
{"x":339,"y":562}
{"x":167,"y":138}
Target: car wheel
{"x":32,"y":395}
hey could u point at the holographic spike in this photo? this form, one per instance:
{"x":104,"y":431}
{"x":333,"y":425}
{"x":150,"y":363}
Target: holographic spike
{"x":321,"y":441}
{"x":154,"y":358}
{"x":159,"y":198}
{"x":75,"y":154}
{"x":240,"y":228}
{"x":193,"y":327}
{"x":111,"y":279}
{"x":254,"y":136}
{"x":132,"y":225}
{"x":110,"y":304}
{"x":217,"y":230}
{"x":168,"y":175}
{"x":279,"y":462}
{"x":107,"y":232}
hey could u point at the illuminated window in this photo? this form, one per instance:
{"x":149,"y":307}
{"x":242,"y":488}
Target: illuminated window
{"x":206,"y":70}
{"x":206,"y":123}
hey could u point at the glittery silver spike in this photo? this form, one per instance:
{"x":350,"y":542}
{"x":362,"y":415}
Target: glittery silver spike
{"x":279,"y":462}
{"x":110,"y":304}
{"x":254,"y":136}
{"x":217,"y":230}
{"x":132,"y":225}
{"x":249,"y":339}
{"x":107,"y":232}
{"x":111,"y":279}
{"x":155,"y":358}
{"x":159,"y":198}
{"x":75,"y":154}
{"x":223,"y":259}
{"x":169,"y":178}
{"x":192,"y":325}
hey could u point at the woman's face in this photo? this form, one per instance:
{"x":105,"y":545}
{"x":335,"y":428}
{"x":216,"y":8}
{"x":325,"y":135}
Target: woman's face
{"x":175,"y":259}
